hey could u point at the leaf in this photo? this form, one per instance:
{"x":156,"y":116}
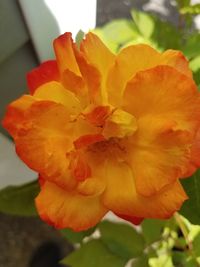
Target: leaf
{"x":109,"y":33}
{"x":122,"y":239}
{"x":195,"y":67}
{"x":192,"y":10}
{"x":114,"y":47}
{"x":196,"y":245}
{"x":19,"y":200}
{"x":191,"y":207}
{"x":195,"y":63}
{"x":141,"y":262}
{"x":159,"y":32}
{"x":166,"y":35}
{"x":162,"y":261}
{"x":191,"y":48}
{"x":144,"y":22}
{"x":93,"y":254}
{"x":76,"y":237}
{"x":120,"y":31}
{"x":79,"y":37}
{"x":183,"y":259}
{"x":182,"y":3}
{"x":152,"y":230}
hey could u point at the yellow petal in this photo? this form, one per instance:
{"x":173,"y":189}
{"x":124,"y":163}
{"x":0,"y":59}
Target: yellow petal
{"x":91,"y":187}
{"x":97,"y":53}
{"x":54,"y":91}
{"x":122,"y":198}
{"x":166,"y":105}
{"x":14,"y":116}
{"x":64,"y":50}
{"x":119,"y":124}
{"x":137,"y":58}
{"x":101,"y":58}
{"x":68,"y":209}
{"x":43,"y":140}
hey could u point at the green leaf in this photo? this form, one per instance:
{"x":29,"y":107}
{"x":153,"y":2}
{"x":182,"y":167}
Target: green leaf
{"x":195,"y":67}
{"x":195,"y":64}
{"x":179,"y":258}
{"x":191,"y":207}
{"x":141,"y":262}
{"x":76,"y":237}
{"x":120,"y":31}
{"x":144,"y":22}
{"x":152,"y":230}
{"x":166,"y":35}
{"x":191,"y":48}
{"x":183,"y":259}
{"x":162,"y":34}
{"x":93,"y":254}
{"x":196,"y":245}
{"x":79,"y":37}
{"x":192,"y":10}
{"x":19,"y":200}
{"x":109,"y":33}
{"x":162,"y":261}
{"x":122,"y":239}
{"x":114,"y":47}
{"x":182,"y":3}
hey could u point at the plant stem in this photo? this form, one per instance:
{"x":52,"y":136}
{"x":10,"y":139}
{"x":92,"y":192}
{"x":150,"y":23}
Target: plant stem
{"x":183,"y":228}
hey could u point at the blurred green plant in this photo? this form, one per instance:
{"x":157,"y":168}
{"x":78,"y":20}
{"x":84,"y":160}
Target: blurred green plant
{"x":149,"y":29}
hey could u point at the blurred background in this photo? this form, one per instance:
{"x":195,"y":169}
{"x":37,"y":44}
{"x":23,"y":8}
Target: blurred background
{"x":27,"y":28}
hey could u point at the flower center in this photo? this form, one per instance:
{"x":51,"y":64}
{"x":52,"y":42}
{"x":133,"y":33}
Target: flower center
{"x":113,"y":147}
{"x":119,"y":124}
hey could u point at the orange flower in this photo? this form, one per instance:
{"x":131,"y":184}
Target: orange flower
{"x":108,"y":132}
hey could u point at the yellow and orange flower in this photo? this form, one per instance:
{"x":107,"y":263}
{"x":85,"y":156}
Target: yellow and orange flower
{"x":108,"y":132}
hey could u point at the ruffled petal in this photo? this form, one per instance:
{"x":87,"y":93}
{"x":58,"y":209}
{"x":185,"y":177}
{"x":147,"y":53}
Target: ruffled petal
{"x":46,"y":72}
{"x":121,"y":196}
{"x":120,"y":192}
{"x":119,"y":124}
{"x":161,"y":148}
{"x":97,"y":115}
{"x":43,"y":140}
{"x":15,"y":114}
{"x":68,"y":209}
{"x":162,"y":205}
{"x":137,"y":58}
{"x":63,"y":46}
{"x":68,"y":67}
{"x":96,"y":60}
{"x":54,"y":91}
{"x":91,"y":77}
{"x":97,"y":53}
{"x":177,"y":60}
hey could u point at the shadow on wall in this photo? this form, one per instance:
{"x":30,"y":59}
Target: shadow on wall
{"x":14,"y":68}
{"x":42,"y":25}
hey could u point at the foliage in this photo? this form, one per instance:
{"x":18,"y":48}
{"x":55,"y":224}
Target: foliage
{"x":127,"y":245}
{"x":194,"y":9}
{"x":19,"y":200}
{"x":94,"y":254}
{"x":176,"y":243}
{"x":191,"y":207}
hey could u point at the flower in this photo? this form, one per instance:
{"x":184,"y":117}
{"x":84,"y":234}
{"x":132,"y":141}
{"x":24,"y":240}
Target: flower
{"x":108,"y":132}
